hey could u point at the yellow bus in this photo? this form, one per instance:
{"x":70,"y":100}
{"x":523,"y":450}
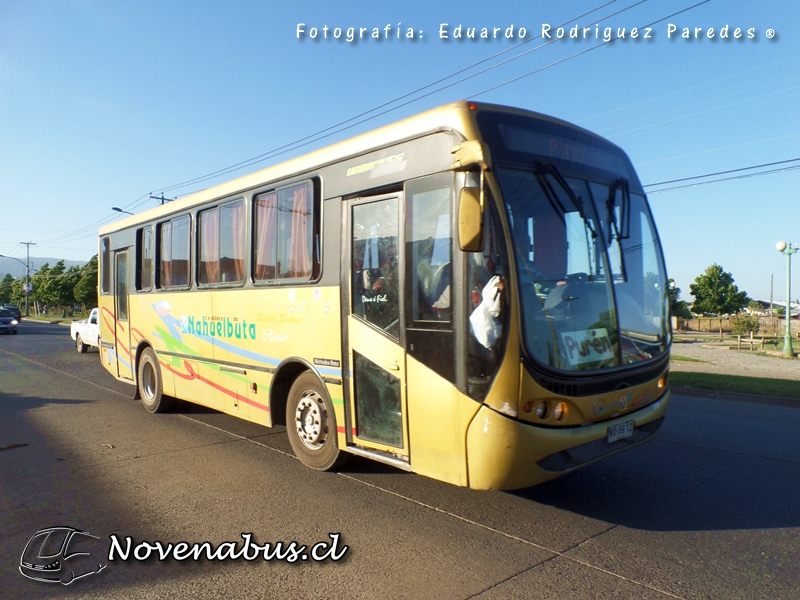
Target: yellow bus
{"x":476,"y":294}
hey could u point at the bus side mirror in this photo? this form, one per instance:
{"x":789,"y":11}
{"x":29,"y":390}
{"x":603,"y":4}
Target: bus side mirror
{"x":470,"y":227}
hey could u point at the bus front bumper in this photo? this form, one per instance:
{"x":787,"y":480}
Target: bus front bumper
{"x":506,"y":454}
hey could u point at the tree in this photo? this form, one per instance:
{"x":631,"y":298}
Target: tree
{"x":85,"y":291}
{"x":745,"y":324}
{"x":677,"y":307}
{"x":5,"y":289}
{"x":714,"y":292}
{"x":64,"y":286}
{"x":17,"y":294}
{"x":40,"y":294}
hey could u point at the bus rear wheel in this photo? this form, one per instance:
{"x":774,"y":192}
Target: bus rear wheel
{"x":311,"y":425}
{"x":151,"y":389}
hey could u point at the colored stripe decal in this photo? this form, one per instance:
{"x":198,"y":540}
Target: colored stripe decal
{"x":192,"y":375}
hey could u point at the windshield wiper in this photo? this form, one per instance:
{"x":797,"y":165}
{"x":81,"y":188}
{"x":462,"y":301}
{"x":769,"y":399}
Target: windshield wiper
{"x":543,"y":168}
{"x":621,"y":229}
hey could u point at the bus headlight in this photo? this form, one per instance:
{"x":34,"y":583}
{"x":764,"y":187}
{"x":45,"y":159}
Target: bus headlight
{"x":560,"y":411}
{"x":541,"y":410}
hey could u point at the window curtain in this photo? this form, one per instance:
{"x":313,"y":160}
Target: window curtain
{"x":166,"y":255}
{"x":266,"y":216}
{"x":237,"y":217}
{"x":180,"y":251}
{"x":209,"y":248}
{"x":299,"y":258}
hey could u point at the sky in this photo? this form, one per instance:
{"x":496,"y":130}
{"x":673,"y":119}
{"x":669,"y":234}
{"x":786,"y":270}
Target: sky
{"x":104,"y":103}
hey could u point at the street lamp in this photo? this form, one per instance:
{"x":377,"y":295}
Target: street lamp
{"x":118,"y":209}
{"x":27,"y":279}
{"x":788,"y":250}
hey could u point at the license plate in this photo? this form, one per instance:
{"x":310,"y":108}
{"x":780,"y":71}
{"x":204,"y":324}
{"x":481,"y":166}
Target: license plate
{"x":620,"y":431}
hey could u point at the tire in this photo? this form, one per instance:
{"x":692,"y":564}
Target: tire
{"x":79,"y":345}
{"x":148,"y":380}
{"x":311,"y":425}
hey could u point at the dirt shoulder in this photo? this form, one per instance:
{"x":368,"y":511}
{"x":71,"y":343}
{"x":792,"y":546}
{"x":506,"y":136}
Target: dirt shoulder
{"x":725,"y":360}
{"x":721,"y":359}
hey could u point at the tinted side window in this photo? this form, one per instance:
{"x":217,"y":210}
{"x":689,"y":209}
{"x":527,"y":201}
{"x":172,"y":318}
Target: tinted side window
{"x":105,"y":265}
{"x":485,"y":354}
{"x":429,"y":246}
{"x":173,"y":246}
{"x":286,"y":234}
{"x":375,"y":259}
{"x":221,"y":243}
{"x":144,"y":258}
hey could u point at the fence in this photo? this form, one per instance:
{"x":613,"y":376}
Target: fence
{"x":769,"y":326}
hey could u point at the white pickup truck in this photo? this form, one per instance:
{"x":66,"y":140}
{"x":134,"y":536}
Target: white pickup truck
{"x":86,"y":333}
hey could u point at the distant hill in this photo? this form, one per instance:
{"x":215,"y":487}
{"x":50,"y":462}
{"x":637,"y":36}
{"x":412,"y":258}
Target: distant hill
{"x":17,"y":269}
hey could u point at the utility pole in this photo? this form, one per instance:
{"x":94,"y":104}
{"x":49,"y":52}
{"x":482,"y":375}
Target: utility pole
{"x":771,"y":321}
{"x":787,"y":249}
{"x":161,"y":198}
{"x":27,"y":273}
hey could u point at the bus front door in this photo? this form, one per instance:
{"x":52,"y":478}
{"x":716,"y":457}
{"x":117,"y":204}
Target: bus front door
{"x":376,"y":412}
{"x":122,"y":330}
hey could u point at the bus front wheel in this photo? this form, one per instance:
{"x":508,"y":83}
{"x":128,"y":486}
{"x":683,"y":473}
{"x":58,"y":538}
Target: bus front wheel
{"x":311,"y":425}
{"x":151,"y":389}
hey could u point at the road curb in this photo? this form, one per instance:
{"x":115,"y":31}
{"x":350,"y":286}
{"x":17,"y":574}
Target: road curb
{"x":738,"y":397}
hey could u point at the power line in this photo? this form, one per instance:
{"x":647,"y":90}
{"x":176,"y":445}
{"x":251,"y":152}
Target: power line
{"x":91,"y":228}
{"x":772,"y":164}
{"x":318,"y":135}
{"x":328,"y":131}
{"x":699,"y":183}
{"x":713,"y":82}
{"x":600,"y":45}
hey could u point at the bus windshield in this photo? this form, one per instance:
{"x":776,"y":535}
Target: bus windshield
{"x":589,"y":268}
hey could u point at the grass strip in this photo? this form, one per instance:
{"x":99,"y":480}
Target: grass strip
{"x":782,"y":388}
{"x":680,"y":358}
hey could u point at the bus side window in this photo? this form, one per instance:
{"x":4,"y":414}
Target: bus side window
{"x":430,"y":242}
{"x":374,"y":255}
{"x":105,"y":266}
{"x":144,"y":259}
{"x":482,"y":267}
{"x":286,"y":231}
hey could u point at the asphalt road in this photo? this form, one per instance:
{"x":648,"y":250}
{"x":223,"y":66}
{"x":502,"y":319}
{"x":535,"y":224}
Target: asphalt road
{"x":711,"y":509}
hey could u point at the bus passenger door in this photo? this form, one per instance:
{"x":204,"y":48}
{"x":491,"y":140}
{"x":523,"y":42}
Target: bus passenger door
{"x":376,"y":410}
{"x":122,"y":330}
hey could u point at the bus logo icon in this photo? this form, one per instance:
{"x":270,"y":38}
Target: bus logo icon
{"x":61,"y":555}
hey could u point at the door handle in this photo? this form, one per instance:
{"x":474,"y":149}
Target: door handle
{"x":394,"y":367}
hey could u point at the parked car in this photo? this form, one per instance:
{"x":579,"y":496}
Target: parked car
{"x":13,"y":310}
{"x":8,"y":323}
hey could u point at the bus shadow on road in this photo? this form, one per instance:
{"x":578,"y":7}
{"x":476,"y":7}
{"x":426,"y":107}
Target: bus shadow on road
{"x":669,"y":487}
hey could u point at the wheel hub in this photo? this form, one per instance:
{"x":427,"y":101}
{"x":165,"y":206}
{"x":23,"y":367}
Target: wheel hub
{"x":311,"y":419}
